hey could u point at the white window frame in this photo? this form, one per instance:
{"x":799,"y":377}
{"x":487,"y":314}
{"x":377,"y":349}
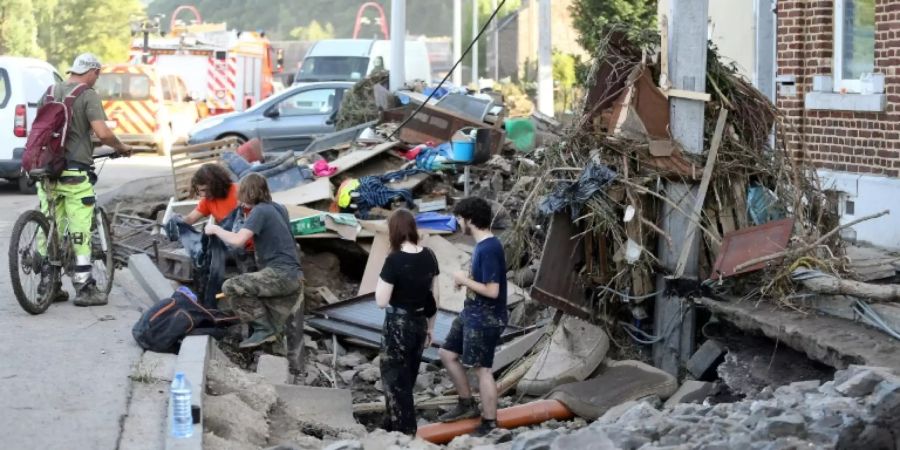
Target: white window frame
{"x":841,"y":84}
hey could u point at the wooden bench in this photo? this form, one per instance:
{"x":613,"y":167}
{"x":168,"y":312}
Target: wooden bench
{"x":186,"y":161}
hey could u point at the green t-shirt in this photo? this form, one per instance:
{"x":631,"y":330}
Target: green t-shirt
{"x":86,"y":109}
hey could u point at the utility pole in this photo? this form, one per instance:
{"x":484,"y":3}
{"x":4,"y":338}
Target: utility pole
{"x":146,"y":26}
{"x":398,"y":45}
{"x":545,"y":59}
{"x":457,"y":40}
{"x":674,"y":319}
{"x":496,"y":43}
{"x":764,"y":62}
{"x":475,"y":44}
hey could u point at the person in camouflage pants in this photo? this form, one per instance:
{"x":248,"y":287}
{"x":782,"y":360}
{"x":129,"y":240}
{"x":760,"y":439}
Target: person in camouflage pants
{"x":264,"y":295}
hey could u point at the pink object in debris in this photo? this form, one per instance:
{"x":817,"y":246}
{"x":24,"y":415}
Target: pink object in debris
{"x":322,"y":169}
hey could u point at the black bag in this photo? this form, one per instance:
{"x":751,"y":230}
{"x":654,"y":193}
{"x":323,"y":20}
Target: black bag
{"x":162,"y":327}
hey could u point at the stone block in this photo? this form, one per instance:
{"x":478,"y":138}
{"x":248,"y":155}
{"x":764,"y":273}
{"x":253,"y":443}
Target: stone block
{"x":691,"y":391}
{"x":785,"y":425}
{"x":535,"y":440}
{"x":585,"y":438}
{"x":703,"y":363}
{"x":274,"y":369}
{"x":352,"y":360}
{"x":149,"y":277}
{"x":859,"y":384}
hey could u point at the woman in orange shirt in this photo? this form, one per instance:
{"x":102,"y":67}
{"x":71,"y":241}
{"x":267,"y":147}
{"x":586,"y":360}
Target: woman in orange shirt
{"x":218,"y":194}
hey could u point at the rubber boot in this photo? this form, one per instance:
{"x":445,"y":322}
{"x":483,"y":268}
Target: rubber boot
{"x":263,"y":332}
{"x":87,"y":294}
{"x":465,"y":409}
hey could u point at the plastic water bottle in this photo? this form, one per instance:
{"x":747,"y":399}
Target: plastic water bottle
{"x":182,"y":421}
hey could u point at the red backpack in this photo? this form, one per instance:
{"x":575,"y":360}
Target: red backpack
{"x":45,"y":147}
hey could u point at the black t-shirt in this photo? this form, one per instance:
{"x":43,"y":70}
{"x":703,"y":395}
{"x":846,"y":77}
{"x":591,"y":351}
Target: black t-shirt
{"x":275,"y":245}
{"x":412,"y":275}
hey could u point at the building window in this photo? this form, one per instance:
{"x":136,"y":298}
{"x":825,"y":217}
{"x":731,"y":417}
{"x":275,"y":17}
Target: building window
{"x":854,"y":43}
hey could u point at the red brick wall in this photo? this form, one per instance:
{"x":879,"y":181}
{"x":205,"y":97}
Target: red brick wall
{"x":855,"y":142}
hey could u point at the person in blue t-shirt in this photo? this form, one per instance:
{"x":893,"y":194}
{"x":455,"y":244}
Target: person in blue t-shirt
{"x":475,"y":333}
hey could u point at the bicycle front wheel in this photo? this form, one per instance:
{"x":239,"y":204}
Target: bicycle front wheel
{"x":28,"y":258}
{"x":103,"y":266}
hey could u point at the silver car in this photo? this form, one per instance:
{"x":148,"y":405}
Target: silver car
{"x":288,"y":120}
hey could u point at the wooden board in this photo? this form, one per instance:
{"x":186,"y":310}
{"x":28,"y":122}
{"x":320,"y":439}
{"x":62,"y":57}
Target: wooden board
{"x":321,"y":189}
{"x":356,"y":157}
{"x":381,"y":246}
{"x":186,"y":160}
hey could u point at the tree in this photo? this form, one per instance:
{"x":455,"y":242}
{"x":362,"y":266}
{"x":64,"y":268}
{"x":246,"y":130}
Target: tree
{"x":314,"y":32}
{"x":67,"y":28}
{"x":593,"y":18}
{"x":18,"y":29}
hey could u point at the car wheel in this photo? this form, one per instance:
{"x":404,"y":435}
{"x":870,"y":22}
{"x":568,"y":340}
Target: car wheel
{"x":25,"y":187}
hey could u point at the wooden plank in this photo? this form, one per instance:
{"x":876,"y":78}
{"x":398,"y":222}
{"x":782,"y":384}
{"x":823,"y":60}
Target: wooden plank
{"x":321,"y":189}
{"x":381,"y":246}
{"x":410,"y":183}
{"x":690,"y":95}
{"x":356,"y":157}
{"x":228,"y":142}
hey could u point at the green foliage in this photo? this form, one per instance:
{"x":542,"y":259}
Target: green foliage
{"x":313,"y":32}
{"x":67,"y":28}
{"x":593,"y":18}
{"x":18,"y":29}
{"x":564,"y":69}
{"x":279,"y":18}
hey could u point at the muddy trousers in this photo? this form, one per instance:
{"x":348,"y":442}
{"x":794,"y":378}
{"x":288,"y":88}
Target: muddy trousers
{"x":264,"y":296}
{"x":401,"y":352}
{"x":74,"y":210}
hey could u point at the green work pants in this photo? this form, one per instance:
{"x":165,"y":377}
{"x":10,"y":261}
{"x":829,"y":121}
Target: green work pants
{"x":74,"y":209}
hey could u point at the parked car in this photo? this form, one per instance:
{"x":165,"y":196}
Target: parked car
{"x":146,"y":110}
{"x":23,"y":81}
{"x":289,"y":120}
{"x":354,"y":59}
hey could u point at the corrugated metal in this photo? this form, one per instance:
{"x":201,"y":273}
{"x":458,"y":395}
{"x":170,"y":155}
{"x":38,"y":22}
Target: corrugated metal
{"x":362,"y":319}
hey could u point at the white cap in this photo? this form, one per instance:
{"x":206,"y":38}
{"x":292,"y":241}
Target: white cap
{"x":84,"y":63}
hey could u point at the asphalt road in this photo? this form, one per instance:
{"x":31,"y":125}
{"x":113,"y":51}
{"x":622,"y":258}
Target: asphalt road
{"x":64,"y":375}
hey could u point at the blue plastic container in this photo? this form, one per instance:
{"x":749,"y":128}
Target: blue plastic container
{"x":463,"y":151}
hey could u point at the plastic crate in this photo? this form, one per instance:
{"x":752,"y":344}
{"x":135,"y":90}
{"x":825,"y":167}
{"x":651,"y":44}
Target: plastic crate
{"x":308,"y":225}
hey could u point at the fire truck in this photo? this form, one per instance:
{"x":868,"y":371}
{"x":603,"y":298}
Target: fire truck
{"x":225,"y":70}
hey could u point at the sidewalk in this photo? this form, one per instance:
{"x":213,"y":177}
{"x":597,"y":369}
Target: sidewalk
{"x":64,"y":378}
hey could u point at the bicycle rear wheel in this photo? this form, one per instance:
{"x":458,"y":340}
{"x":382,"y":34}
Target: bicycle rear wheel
{"x":103,"y":266}
{"x":26,"y":260}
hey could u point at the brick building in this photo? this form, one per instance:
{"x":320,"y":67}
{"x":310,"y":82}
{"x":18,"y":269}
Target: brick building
{"x":843,"y":111}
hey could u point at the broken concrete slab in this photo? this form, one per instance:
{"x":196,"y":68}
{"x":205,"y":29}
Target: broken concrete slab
{"x":150,"y":278}
{"x":632,"y":380}
{"x":333,"y":407}
{"x":229,"y":417}
{"x":829,"y":340}
{"x":575,"y":350}
{"x":704,"y":361}
{"x":252,"y":388}
{"x":274,"y":369}
{"x":691,"y":391}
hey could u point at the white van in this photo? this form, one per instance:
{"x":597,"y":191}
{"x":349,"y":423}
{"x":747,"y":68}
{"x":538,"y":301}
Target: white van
{"x":22,"y":83}
{"x":354,"y":59}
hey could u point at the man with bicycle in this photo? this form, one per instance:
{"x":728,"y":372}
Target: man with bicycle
{"x":74,"y":190}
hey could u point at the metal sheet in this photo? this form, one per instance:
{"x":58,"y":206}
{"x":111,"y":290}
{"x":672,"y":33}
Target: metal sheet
{"x":557,"y":282}
{"x":362,"y":319}
{"x":328,"y":141}
{"x":750,"y":243}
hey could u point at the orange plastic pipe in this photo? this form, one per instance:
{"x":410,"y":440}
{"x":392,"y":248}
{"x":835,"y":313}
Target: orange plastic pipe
{"x":516,"y":416}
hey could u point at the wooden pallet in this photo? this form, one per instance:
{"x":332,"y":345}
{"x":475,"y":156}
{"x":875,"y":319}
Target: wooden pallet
{"x":186,"y":161}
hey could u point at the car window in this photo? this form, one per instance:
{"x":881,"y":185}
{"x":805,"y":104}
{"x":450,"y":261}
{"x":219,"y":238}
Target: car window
{"x":123,"y":86}
{"x":43,"y":79}
{"x":166,"y":88}
{"x":311,"y":102}
{"x":333,"y":68}
{"x":5,"y":93}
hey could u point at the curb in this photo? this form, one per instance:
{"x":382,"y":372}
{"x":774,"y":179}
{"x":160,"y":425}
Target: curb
{"x":193,"y":358}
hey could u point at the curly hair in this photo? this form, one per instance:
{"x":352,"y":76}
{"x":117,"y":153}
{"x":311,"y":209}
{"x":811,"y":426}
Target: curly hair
{"x":216,"y":179}
{"x":254,"y":190}
{"x":476,"y":210}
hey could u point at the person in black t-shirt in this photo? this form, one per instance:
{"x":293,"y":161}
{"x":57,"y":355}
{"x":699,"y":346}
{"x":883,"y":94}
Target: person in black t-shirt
{"x":408,"y":288}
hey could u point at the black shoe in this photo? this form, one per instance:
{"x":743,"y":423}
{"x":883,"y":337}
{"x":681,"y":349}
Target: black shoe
{"x":465,"y":409}
{"x":88,"y":294}
{"x":44,"y":285}
{"x":484,"y":428}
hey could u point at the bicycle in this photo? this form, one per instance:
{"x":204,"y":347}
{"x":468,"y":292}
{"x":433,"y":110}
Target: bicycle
{"x":33,"y":229}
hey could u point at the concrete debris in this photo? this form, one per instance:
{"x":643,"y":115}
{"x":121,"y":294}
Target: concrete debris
{"x":703,"y":363}
{"x":575,"y":350}
{"x":253,"y":389}
{"x":274,"y":369}
{"x":354,"y":359}
{"x":691,"y":391}
{"x":211,"y":441}
{"x":230,"y":417}
{"x":330,"y":407}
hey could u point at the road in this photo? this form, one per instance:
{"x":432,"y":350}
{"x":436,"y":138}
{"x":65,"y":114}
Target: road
{"x":64,"y":375}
